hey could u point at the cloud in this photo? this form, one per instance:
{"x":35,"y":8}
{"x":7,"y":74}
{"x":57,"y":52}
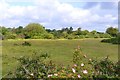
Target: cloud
{"x":102,"y":5}
{"x":54,"y":14}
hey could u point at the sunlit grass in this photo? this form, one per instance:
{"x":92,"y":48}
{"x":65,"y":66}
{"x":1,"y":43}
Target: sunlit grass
{"x":61,"y":51}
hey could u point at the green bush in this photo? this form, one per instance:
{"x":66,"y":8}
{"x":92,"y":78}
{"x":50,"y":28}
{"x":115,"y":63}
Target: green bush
{"x":32,"y":67}
{"x":106,"y":40}
{"x":10,"y":36}
{"x":105,"y":68}
{"x":26,"y":43}
{"x":48,"y":36}
{"x":115,"y":40}
{"x":81,"y":36}
{"x":36,"y":37}
{"x":112,"y":40}
{"x":70,"y":37}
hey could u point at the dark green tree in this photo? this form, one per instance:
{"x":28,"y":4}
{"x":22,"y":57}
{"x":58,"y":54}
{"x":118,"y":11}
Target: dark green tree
{"x":112,"y":31}
{"x":70,"y":30}
{"x":78,"y":32}
{"x":3,"y":30}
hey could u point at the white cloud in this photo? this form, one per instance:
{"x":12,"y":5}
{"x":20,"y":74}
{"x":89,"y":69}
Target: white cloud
{"x":50,"y":12}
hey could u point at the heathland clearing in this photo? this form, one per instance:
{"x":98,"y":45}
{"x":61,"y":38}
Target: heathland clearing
{"x":60,"y":51}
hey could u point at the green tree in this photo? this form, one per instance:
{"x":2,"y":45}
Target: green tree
{"x":70,"y":30}
{"x":19,"y":30}
{"x":94,"y":32}
{"x":112,"y":31}
{"x":85,"y":32}
{"x":78,"y":32}
{"x":3,"y":30}
{"x":34,"y":29}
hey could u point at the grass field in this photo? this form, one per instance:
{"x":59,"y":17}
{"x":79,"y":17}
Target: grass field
{"x":61,"y":51}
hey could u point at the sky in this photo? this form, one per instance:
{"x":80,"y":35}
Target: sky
{"x":56,"y":14}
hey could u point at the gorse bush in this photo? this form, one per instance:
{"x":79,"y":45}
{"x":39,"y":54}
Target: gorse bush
{"x":112,"y":40}
{"x":83,"y":67}
{"x":26,"y":43}
{"x":115,"y":40}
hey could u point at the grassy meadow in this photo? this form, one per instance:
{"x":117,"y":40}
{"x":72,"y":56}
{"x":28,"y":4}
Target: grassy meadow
{"x":60,"y":51}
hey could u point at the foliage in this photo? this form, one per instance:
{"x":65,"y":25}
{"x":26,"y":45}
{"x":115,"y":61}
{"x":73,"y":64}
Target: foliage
{"x":105,"y":35}
{"x":10,"y":36}
{"x":112,"y":40}
{"x":105,"y":69}
{"x":84,"y":32}
{"x":38,"y":31}
{"x":112,"y":31}
{"x":70,"y":37}
{"x":26,"y":43}
{"x":34,"y":29}
{"x":32,"y":67}
{"x":3,"y":30}
{"x":48,"y":36}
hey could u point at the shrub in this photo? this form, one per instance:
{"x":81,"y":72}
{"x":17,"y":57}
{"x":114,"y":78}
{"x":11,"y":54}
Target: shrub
{"x":106,"y":40}
{"x":117,"y":68}
{"x":36,"y":37}
{"x":70,"y":37}
{"x":26,"y":43}
{"x":87,"y":36}
{"x":32,"y":67}
{"x":96,"y":35}
{"x":81,"y":36}
{"x":112,"y":40}
{"x":106,"y":69}
{"x":48,"y":36}
{"x":10,"y":36}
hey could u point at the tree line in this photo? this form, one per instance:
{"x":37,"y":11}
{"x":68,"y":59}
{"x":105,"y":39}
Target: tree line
{"x":38,"y":31}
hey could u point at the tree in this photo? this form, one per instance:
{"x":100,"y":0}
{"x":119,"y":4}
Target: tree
{"x":112,"y":31}
{"x":85,"y":32}
{"x":78,"y":32}
{"x":3,"y":30}
{"x":34,"y":29}
{"x":48,"y":30}
{"x":94,"y":32}
{"x":19,"y":30}
{"x":70,"y":30}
